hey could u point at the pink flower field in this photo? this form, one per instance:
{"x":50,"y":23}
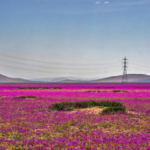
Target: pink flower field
{"x":27,"y":124}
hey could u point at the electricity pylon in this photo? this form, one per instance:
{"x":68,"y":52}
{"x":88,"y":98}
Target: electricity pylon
{"x":124,"y":76}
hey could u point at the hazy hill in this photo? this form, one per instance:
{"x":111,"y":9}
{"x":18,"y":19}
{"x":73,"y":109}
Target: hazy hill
{"x":137,"y":78}
{"x":61,"y":79}
{"x":131,"y":78}
{"x":5,"y":79}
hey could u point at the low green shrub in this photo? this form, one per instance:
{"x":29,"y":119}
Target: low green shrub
{"x":57,"y":106}
{"x":113,"y":109}
{"x":69,"y":108}
{"x":61,"y":106}
{"x":33,"y":88}
{"x":91,"y":91}
{"x":109,"y":104}
{"x":56,"y":88}
{"x":116,"y":91}
{"x":25,"y":97}
{"x":72,"y":105}
{"x":84,"y":104}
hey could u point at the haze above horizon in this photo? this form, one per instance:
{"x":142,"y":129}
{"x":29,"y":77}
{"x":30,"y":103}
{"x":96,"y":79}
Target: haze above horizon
{"x":77,"y":38}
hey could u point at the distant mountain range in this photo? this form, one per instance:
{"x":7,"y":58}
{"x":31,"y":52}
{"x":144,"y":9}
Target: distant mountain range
{"x":134,"y":78}
{"x":61,"y":79}
{"x":137,"y":78}
{"x":5,"y":79}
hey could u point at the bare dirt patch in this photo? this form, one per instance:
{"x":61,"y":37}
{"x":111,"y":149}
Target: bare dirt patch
{"x":95,"y":110}
{"x":134,"y":113}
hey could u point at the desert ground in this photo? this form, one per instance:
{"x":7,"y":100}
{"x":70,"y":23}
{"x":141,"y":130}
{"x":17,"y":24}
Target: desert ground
{"x":27,"y":123}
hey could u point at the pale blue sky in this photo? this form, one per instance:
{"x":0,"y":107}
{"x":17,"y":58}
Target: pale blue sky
{"x":84,"y":38}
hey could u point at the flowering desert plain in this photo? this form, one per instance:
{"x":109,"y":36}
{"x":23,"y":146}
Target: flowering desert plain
{"x":28,"y":123}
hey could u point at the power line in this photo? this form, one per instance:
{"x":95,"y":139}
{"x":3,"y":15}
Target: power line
{"x":43,"y":66}
{"x":49,"y":71}
{"x":50,"y":62}
{"x":140,"y":68}
{"x":139,"y":71}
{"x":139,"y":61}
{"x":140,"y":65}
{"x":58,"y":56}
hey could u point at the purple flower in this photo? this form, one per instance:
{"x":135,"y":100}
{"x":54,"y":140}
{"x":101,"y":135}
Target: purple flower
{"x":148,"y":112}
{"x":148,"y":148}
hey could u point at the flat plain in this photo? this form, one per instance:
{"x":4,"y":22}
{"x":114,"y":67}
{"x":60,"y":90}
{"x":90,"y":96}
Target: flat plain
{"x":26,"y":123}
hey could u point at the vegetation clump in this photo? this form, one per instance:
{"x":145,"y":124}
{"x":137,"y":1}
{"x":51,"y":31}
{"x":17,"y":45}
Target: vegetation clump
{"x":113,"y":109}
{"x":115,"y":91}
{"x":91,"y":91}
{"x":32,"y":88}
{"x":23,"y":97}
{"x":69,"y":106}
{"x":56,"y":88}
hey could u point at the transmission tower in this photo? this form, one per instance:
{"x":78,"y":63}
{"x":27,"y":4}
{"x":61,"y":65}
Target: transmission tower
{"x":124,"y":76}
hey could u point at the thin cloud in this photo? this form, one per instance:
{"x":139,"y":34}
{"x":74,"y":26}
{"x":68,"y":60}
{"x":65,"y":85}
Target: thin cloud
{"x":106,"y":2}
{"x":97,"y":3}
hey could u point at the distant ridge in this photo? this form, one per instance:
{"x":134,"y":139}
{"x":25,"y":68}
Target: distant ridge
{"x":137,"y":78}
{"x":132,"y":78}
{"x":5,"y":79}
{"x":60,"y":79}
